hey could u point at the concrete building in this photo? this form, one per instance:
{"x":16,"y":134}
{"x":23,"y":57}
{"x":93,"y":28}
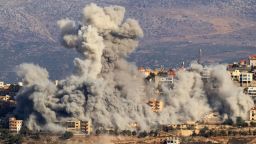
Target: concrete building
{"x":4,"y":86}
{"x":76,"y":126}
{"x":243,"y":62}
{"x":246,"y":77}
{"x":251,"y":91}
{"x":252,"y":116}
{"x":235,"y":75}
{"x":212,"y":118}
{"x":5,"y":98}
{"x":73,"y":125}
{"x":172,"y":140}
{"x":1,"y":84}
{"x":155,"y":105}
{"x":86,"y":127}
{"x":15,"y":125}
{"x":184,"y":132}
{"x":145,"y":72}
{"x":252,"y":60}
{"x":164,"y":80}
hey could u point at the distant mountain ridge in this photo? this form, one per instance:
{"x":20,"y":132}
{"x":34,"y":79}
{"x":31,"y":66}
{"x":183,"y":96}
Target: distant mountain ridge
{"x":28,"y":31}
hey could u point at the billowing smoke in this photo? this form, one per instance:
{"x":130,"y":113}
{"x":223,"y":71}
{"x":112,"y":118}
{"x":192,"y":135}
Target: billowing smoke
{"x":202,"y":90}
{"x":109,"y":91}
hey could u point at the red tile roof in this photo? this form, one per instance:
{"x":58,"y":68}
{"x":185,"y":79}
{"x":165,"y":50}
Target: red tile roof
{"x":252,"y":56}
{"x":242,"y":61}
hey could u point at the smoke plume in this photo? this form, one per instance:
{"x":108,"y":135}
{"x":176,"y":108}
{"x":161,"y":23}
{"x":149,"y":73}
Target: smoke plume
{"x":109,"y":91}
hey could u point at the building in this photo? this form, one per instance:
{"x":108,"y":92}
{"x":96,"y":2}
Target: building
{"x":155,"y":105}
{"x":5,"y":98}
{"x":184,"y":132}
{"x":145,"y":72}
{"x":235,"y":75}
{"x":73,"y":125}
{"x":252,"y":60}
{"x":212,"y":118}
{"x":183,"y":126}
{"x":171,"y":140}
{"x":243,"y":62}
{"x":15,"y":125}
{"x":76,"y":126}
{"x":86,"y":127}
{"x":246,"y":77}
{"x":164,"y":80}
{"x":1,"y":84}
{"x":252,"y":116}
{"x":251,"y":91}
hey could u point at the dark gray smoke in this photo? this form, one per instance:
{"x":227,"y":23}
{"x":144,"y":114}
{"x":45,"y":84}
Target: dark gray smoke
{"x":108,"y":90}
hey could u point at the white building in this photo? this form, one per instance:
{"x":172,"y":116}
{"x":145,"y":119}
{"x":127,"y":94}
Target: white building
{"x":252,"y":60}
{"x":251,"y":91}
{"x":1,"y":84}
{"x":172,"y":140}
{"x":246,"y":77}
{"x":164,"y":80}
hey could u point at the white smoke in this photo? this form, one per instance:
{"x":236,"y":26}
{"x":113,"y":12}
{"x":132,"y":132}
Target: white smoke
{"x":109,"y":91}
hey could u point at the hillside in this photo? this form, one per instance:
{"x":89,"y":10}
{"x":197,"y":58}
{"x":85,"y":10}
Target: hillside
{"x":174,"y":32}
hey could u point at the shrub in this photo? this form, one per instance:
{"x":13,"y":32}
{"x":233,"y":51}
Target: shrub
{"x":67,"y":135}
{"x":142,"y":134}
{"x":228,"y":122}
{"x":134,"y":133}
{"x":253,"y":124}
{"x":240,"y":122}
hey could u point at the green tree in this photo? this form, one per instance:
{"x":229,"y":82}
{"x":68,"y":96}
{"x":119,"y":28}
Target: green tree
{"x":97,"y":132}
{"x":253,"y":124}
{"x":223,"y":133}
{"x":142,"y":134}
{"x":25,"y":131}
{"x":228,"y":122}
{"x":254,"y":132}
{"x":67,"y":135}
{"x":203,"y":132}
{"x":240,"y":122}
{"x":14,"y":139}
{"x":134,"y":133}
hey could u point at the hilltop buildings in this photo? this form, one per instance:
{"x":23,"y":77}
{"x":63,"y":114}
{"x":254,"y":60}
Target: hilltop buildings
{"x":244,"y":74}
{"x":252,"y":60}
{"x":252,"y":114}
{"x":155,"y":105}
{"x":15,"y":125}
{"x":76,"y":126}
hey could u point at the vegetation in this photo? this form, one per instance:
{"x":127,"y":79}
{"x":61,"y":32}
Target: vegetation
{"x":228,"y":122}
{"x":240,"y":122}
{"x":253,"y":124}
{"x":9,"y":138}
{"x":67,"y":135}
{"x":142,"y":134}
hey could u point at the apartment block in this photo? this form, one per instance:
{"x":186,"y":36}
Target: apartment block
{"x":15,"y":125}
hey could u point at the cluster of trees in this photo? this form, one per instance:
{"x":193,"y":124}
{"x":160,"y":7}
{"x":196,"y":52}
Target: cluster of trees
{"x":205,"y":132}
{"x":239,"y":122}
{"x":127,"y":133}
{"x":67,"y":135}
{"x":9,"y":138}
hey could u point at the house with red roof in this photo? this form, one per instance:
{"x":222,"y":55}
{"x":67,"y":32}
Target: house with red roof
{"x":252,"y":60}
